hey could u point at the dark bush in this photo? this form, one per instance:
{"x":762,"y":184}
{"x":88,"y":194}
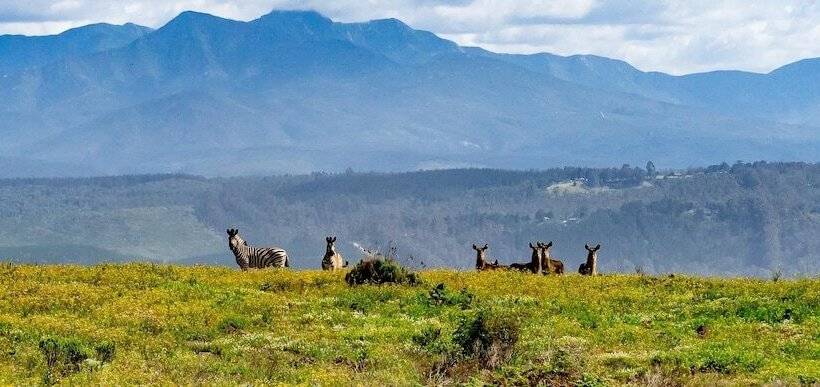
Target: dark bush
{"x":380,"y":271}
{"x":488,"y":335}
{"x":62,"y":356}
{"x":105,"y":351}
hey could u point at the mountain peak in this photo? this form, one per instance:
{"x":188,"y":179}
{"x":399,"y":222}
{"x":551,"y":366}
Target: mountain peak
{"x":189,"y":18}
{"x":306,"y":17}
{"x":296,"y":25}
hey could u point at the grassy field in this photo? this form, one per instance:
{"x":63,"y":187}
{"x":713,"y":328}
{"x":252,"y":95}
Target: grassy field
{"x":141,"y":323}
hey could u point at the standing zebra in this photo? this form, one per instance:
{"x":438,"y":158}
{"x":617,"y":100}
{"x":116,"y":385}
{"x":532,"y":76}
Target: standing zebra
{"x":255,"y":257}
{"x":332,"y":259}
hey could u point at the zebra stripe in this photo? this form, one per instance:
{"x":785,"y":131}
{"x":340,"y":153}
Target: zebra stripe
{"x":256,"y":257}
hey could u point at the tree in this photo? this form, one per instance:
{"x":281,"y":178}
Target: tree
{"x":650,"y":169}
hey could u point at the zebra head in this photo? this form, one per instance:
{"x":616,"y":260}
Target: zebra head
{"x":331,"y":245}
{"x":234,"y":240}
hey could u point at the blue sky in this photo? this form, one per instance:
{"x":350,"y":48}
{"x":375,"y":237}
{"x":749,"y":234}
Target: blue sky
{"x":671,"y":36}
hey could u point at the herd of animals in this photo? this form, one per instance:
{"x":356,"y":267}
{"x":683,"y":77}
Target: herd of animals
{"x":541,"y":262}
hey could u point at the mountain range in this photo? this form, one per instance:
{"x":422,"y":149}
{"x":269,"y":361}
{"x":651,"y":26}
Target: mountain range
{"x":294,"y":91}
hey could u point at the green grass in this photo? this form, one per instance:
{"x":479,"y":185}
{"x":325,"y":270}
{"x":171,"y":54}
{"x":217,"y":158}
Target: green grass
{"x":142,"y":324}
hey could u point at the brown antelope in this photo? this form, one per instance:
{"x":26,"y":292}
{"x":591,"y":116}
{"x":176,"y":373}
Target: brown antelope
{"x":481,"y":263}
{"x":591,"y":265}
{"x":332,"y":259}
{"x":534,"y":265}
{"x":549,"y":265}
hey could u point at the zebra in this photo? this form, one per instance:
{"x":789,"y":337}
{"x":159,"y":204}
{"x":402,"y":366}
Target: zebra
{"x":332,"y":259}
{"x":255,"y":257}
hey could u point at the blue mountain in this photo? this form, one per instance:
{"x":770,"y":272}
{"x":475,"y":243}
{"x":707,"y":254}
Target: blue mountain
{"x":294,"y":91}
{"x":19,"y":52}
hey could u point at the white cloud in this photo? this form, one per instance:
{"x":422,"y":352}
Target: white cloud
{"x":664,"y":35}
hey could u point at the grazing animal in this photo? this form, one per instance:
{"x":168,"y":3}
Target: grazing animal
{"x":332,"y":260}
{"x":549,"y":265}
{"x":481,"y":263}
{"x":591,"y":265}
{"x":535,"y":261}
{"x":255,"y":257}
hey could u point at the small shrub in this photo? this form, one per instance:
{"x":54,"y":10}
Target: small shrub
{"x":427,"y":336}
{"x":589,"y":380}
{"x":440,"y":295}
{"x":433,"y":341}
{"x":488,"y":335}
{"x":568,"y":357}
{"x":232,"y":324}
{"x":62,"y":356}
{"x":380,"y":271}
{"x":105,"y":351}
{"x":808,"y":380}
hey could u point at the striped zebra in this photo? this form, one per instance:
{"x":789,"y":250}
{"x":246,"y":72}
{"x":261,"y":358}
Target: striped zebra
{"x":332,"y":259}
{"x":255,"y":257}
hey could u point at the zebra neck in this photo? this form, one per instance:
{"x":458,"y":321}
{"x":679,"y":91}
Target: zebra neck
{"x":243,"y":251}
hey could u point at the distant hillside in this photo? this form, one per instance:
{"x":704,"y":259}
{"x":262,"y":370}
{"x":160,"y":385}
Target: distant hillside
{"x":294,"y":92}
{"x":750,"y":219}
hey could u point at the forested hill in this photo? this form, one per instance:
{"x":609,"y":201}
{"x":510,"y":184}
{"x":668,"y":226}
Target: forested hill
{"x":750,"y":219}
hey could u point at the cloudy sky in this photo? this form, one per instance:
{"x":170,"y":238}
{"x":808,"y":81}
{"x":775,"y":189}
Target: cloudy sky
{"x":670,"y":36}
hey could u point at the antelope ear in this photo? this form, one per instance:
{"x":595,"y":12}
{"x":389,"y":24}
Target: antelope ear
{"x":228,"y":231}
{"x":586,"y":246}
{"x":475,"y":247}
{"x":548,"y":245}
{"x":531,"y":246}
{"x":598,"y":247}
{"x":486,"y":246}
{"x":327,"y":239}
{"x":334,"y":239}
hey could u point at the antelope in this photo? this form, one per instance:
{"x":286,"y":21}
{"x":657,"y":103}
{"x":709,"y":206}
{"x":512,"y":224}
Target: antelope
{"x":535,"y":261}
{"x":591,"y":265}
{"x":481,"y":263}
{"x":332,"y":259}
{"x":549,"y":265}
